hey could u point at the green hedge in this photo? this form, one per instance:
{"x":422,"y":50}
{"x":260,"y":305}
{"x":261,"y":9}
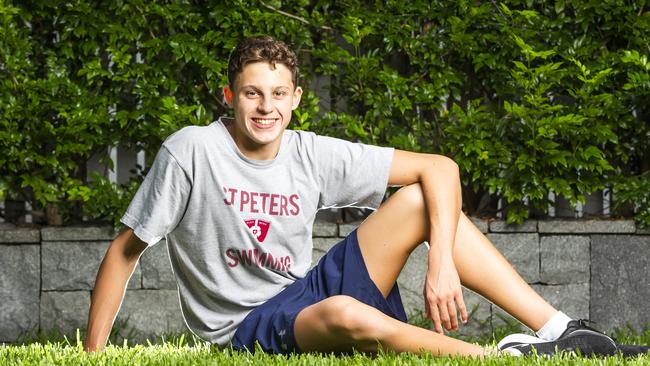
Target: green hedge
{"x":529,"y":97}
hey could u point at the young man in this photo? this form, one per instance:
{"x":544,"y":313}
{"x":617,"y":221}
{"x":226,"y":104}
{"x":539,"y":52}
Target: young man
{"x":236,"y":201}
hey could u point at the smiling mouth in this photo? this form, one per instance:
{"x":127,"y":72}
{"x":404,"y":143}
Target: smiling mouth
{"x":264,"y":122}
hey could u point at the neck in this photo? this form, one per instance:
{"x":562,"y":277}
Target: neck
{"x":252,"y":150}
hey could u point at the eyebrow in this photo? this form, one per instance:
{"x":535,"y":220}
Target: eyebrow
{"x":256,"y":88}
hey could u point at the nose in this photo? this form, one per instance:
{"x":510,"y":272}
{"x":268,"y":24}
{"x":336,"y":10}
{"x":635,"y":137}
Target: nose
{"x":265,"y":105}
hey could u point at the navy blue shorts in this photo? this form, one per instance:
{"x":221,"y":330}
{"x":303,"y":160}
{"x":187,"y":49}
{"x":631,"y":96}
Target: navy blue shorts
{"x":341,"y":271}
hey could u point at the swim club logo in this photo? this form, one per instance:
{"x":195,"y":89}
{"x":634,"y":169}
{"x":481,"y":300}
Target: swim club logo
{"x":257,"y":257}
{"x":259,"y":228}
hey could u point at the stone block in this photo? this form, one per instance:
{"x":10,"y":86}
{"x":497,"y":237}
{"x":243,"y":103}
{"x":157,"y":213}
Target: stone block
{"x":564,"y":259}
{"x":501,"y":226}
{"x":620,"y":281}
{"x":73,"y":265}
{"x":325,"y":229}
{"x":150,"y":313}
{"x":321,"y":246}
{"x":9,"y":236}
{"x":411,"y":280}
{"x":325,"y":244}
{"x":77,"y":233}
{"x":412,"y":300}
{"x":506,"y":323}
{"x":64,"y":312}
{"x":347,"y":228}
{"x":522,"y":250}
{"x":572,"y":299}
{"x":316,"y":255}
{"x":481,"y":224}
{"x":156,"y":268}
{"x":19,"y":290}
{"x":586,"y":226}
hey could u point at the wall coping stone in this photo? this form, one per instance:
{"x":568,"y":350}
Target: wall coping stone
{"x":586,"y":226}
{"x":20,"y":236}
{"x":645,"y":231}
{"x":501,"y":226}
{"x":77,"y":233}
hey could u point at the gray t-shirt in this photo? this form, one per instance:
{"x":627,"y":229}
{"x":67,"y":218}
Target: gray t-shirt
{"x":239,"y":230}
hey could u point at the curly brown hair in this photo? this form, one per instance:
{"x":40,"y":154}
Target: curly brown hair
{"x":261,"y":49}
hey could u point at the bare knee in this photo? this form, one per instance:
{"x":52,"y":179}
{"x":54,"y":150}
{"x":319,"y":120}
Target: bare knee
{"x":350,"y":319}
{"x":413,"y":196}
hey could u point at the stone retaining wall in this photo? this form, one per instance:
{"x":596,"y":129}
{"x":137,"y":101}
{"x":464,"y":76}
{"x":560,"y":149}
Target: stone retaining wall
{"x":598,"y":270}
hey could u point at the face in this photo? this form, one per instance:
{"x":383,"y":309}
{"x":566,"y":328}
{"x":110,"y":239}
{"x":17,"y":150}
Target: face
{"x":263,"y":99}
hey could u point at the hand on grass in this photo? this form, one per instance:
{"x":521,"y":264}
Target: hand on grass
{"x":443,"y":297}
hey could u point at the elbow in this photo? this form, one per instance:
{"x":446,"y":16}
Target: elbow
{"x":132,"y":253}
{"x":127,"y":247}
{"x":446,"y":165}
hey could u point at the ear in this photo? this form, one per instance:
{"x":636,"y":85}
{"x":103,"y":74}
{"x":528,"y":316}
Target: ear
{"x":227,"y":95}
{"x":296,"y":97}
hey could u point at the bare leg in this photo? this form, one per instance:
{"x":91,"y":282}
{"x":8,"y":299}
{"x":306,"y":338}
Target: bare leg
{"x":389,"y":235}
{"x":341,"y":323}
{"x":386,"y":240}
{"x":483,"y":269}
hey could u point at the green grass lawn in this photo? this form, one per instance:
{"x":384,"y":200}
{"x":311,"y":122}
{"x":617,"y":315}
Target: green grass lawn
{"x":175,"y":354}
{"x":181,"y":350}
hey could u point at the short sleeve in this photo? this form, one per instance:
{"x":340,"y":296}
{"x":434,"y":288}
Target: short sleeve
{"x":351,"y":174}
{"x":160,"y":202}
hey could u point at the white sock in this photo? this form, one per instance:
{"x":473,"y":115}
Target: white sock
{"x":554,"y":327}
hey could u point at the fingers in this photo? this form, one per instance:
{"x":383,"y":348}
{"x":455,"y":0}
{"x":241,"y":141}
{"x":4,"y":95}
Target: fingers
{"x":460,"y":301}
{"x":445,"y":313}
{"x":435,"y":316}
{"x":444,"y":304}
{"x":431,"y":309}
{"x":452,"y":315}
{"x":443,"y":307}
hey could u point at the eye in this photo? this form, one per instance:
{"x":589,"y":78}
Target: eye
{"x":280,"y":93}
{"x":251,"y":93}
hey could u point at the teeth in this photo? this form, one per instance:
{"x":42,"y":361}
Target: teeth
{"x":264,"y":121}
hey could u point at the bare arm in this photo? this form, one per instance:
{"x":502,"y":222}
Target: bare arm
{"x":113,"y":275}
{"x":440,"y":181}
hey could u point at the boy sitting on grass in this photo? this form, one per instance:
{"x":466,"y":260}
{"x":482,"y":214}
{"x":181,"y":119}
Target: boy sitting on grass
{"x":236,"y":201}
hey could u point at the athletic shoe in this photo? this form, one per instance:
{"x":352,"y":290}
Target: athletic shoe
{"x":518,"y":339}
{"x":578,"y":337}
